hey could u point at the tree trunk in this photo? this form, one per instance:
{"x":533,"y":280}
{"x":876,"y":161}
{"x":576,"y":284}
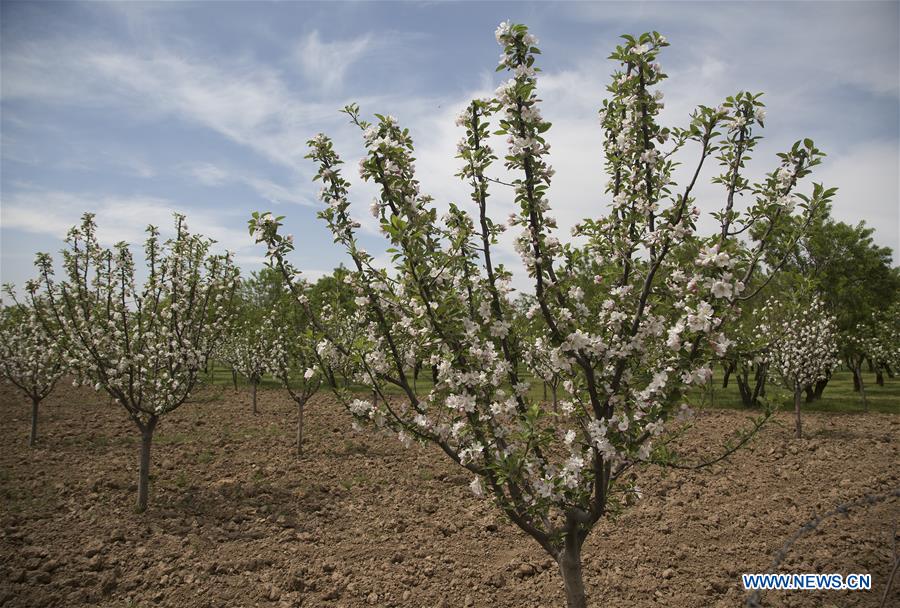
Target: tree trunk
{"x":300,"y":405}
{"x":879,"y":376}
{"x":34,"y":416}
{"x":820,"y":386}
{"x":857,"y":381}
{"x":569,"y":561}
{"x":545,"y":391}
{"x":743,"y":383}
{"x":553,"y":389}
{"x":862,"y":388}
{"x":144,"y":474}
{"x":253,"y":384}
{"x":797,"y":411}
{"x":728,"y":369}
{"x":760,"y":389}
{"x":234,"y":379}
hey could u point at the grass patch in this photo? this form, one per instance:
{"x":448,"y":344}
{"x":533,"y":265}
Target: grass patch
{"x":220,"y":375}
{"x":838,"y":396}
{"x":358,"y":480}
{"x":353,"y":447}
{"x":181,"y":480}
{"x":211,"y":396}
{"x":171,"y":439}
{"x":205,"y":457}
{"x":96,"y":441}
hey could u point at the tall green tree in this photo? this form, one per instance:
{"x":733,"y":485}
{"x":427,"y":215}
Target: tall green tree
{"x":854,"y":277}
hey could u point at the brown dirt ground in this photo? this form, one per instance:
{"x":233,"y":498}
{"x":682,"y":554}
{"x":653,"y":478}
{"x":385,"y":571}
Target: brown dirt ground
{"x":237,"y":520}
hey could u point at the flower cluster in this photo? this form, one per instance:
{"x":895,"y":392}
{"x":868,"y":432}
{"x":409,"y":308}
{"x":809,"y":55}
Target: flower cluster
{"x":30,"y":356}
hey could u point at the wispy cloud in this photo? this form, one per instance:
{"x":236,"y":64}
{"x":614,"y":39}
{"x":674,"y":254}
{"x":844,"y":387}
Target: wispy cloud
{"x":213,"y":175}
{"x":119,"y":218}
{"x":124,"y":218}
{"x":243,"y":101}
{"x":783,"y":39}
{"x":325,"y":63}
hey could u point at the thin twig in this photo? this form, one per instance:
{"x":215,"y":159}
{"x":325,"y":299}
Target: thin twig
{"x":497,"y":181}
{"x":890,"y":581}
{"x":753,"y":599}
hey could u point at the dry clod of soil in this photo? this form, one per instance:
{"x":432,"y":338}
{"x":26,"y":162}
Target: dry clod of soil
{"x":236,"y":519}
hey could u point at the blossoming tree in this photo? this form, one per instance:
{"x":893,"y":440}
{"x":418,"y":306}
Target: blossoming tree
{"x":29,"y":356}
{"x":749,"y":355}
{"x":294,"y":359}
{"x":298,"y":367}
{"x":805,"y":348}
{"x":884,"y":346}
{"x":538,"y":359}
{"x":853,"y":276}
{"x":249,"y":350}
{"x":145,"y":346}
{"x":877,"y":340}
{"x":627,"y":348}
{"x":856,"y":345}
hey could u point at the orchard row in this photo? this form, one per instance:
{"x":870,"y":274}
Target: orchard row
{"x":623,"y":322}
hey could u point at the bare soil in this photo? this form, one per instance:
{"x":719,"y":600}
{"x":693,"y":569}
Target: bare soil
{"x":236,"y":519}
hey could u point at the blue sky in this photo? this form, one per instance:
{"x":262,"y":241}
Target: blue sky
{"x":134,"y":110}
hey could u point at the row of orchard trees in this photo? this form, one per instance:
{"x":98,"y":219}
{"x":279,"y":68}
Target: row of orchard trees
{"x":272,"y":336}
{"x":621,"y":325}
{"x":769,"y":335}
{"x":837,"y":269}
{"x":147,"y":345}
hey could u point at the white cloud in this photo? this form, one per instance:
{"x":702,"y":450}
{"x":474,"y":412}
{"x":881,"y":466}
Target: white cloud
{"x":782,"y":40}
{"x":243,"y":101}
{"x":326,"y":63}
{"x":119,"y":218}
{"x":246,"y":103}
{"x":212,"y":175}
{"x":868,"y":188}
{"x":208,"y":174}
